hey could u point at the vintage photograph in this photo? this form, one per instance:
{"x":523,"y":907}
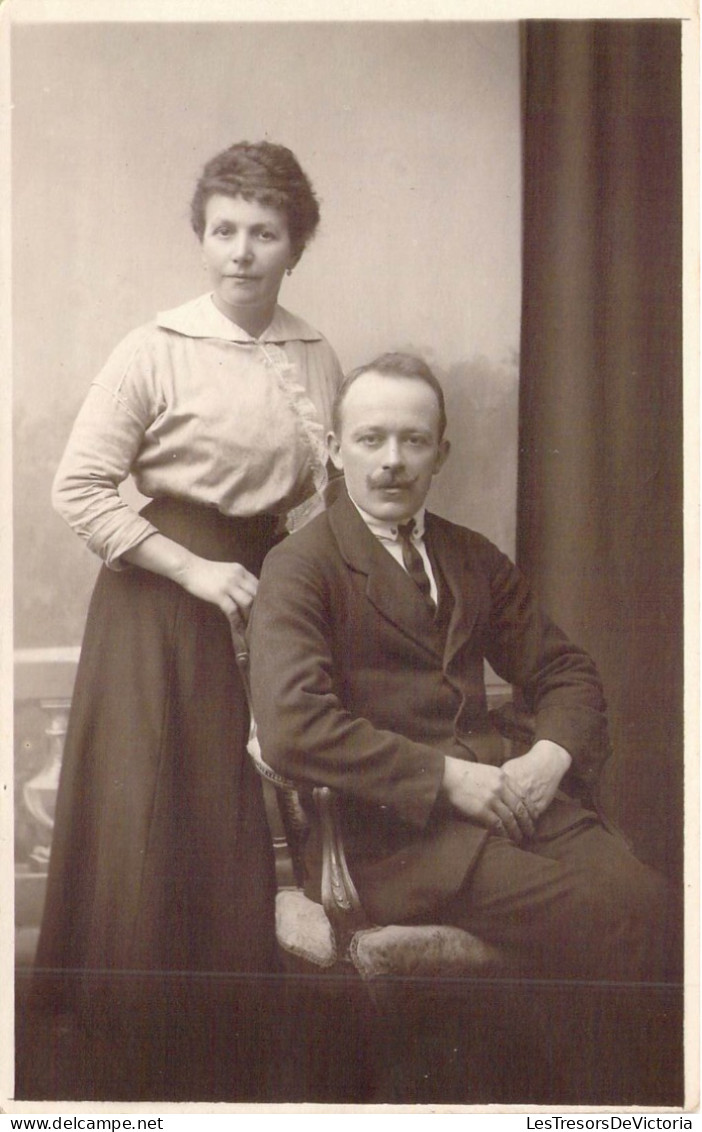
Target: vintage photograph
{"x":348,"y":651}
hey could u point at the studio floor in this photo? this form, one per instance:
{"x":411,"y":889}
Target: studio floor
{"x":293,"y":1040}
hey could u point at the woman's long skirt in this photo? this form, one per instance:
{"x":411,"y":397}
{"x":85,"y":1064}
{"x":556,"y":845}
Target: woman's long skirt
{"x":161,"y":883}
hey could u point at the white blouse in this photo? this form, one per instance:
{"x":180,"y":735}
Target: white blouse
{"x":195,"y":408}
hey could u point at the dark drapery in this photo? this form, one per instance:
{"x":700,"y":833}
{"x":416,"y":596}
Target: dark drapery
{"x":600,"y":444}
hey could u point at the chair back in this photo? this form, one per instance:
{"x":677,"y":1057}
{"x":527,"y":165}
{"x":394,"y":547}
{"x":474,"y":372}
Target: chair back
{"x":281,"y":794}
{"x":339,"y":896}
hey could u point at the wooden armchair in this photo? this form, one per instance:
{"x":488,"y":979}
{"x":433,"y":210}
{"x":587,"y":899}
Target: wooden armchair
{"x":415,"y":1014}
{"x":336,"y":936}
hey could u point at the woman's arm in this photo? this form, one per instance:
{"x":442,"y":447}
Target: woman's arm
{"x":104,"y":443}
{"x":105,"y":440}
{"x":226,"y":584}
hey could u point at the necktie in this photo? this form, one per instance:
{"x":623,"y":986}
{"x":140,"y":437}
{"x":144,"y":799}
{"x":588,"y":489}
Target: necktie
{"x":414,"y":563}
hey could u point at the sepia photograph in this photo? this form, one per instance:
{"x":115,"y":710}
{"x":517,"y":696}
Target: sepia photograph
{"x":350,"y":701}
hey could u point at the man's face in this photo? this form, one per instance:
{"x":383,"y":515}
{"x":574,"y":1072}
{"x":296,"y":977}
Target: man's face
{"x":389,"y":447}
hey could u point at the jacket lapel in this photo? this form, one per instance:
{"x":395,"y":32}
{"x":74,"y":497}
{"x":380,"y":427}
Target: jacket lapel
{"x":451,"y":559}
{"x":388,"y":587}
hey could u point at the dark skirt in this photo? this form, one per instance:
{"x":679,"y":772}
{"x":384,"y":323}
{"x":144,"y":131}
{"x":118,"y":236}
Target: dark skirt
{"x":161,"y":867}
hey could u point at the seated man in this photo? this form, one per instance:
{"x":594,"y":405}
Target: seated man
{"x":368,"y":639}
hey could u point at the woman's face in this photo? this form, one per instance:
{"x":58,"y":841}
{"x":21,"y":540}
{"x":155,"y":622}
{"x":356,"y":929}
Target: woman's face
{"x":247,"y":250}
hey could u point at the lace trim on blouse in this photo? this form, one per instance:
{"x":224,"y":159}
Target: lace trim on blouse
{"x":310,"y":425}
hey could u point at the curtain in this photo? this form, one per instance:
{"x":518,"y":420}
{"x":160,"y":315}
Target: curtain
{"x":600,"y":501}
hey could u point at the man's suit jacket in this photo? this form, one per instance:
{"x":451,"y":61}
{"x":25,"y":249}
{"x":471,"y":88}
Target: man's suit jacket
{"x":355,"y":687}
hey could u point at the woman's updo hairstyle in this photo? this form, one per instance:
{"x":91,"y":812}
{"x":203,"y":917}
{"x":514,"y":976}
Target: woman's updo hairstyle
{"x":264,"y":172}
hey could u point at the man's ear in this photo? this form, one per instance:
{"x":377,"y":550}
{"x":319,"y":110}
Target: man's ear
{"x":442,"y":455}
{"x":334,"y":449}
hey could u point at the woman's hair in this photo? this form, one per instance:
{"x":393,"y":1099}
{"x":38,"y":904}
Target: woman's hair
{"x":392,"y":365}
{"x":264,"y":172}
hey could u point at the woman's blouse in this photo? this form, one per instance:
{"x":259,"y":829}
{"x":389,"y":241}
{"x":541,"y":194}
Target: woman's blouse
{"x":195,"y":408}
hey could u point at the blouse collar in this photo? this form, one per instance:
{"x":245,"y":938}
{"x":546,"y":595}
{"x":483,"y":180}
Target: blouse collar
{"x":200,"y":318}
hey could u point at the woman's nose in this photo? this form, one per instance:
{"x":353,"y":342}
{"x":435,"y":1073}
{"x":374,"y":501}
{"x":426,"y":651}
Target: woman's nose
{"x":241,"y":248}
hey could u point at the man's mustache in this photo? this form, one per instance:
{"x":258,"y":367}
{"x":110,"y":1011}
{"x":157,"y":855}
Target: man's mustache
{"x":389,"y":479}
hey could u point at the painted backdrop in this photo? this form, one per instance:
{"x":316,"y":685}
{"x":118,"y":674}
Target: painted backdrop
{"x":410,"y":133}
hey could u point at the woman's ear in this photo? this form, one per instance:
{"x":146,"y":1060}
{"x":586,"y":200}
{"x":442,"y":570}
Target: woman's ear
{"x":295,"y":257}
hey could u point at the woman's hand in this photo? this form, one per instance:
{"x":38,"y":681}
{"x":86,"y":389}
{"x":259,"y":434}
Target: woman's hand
{"x":486,"y":795}
{"x":226,"y":584}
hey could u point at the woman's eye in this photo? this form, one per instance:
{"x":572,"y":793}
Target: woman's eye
{"x":267,"y":236}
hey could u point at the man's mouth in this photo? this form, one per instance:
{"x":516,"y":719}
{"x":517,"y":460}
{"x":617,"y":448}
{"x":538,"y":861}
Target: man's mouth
{"x":392,"y":485}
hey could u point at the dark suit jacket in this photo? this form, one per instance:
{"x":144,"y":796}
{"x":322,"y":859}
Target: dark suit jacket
{"x":354,"y":687}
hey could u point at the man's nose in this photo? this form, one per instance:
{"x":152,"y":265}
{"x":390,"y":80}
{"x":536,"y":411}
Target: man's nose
{"x":392,"y":455}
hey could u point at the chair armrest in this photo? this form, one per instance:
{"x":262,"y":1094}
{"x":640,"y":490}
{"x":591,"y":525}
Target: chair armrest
{"x":340,"y":899}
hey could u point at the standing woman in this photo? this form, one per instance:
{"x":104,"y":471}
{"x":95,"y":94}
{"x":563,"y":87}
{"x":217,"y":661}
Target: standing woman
{"x":161,"y":860}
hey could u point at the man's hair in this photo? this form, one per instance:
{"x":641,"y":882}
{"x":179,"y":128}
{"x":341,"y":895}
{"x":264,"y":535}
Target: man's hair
{"x":392,"y":365}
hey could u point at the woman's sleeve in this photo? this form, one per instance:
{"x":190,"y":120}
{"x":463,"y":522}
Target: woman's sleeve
{"x":334,"y":373}
{"x":323,"y":377}
{"x":104,"y":442}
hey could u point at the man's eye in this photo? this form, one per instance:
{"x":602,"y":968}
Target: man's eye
{"x":369,"y":439}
